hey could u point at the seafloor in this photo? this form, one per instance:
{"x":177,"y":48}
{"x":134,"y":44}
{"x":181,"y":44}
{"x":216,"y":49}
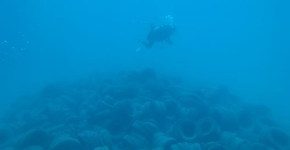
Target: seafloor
{"x":138,"y":110}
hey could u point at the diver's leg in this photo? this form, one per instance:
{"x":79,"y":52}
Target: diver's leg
{"x":147,"y":44}
{"x":169,"y":41}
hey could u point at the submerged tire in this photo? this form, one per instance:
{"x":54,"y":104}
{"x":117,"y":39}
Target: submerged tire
{"x":93,"y":139}
{"x":258,"y":146}
{"x":117,"y":128}
{"x":134,"y":142}
{"x":145,"y":129}
{"x":210,"y":130}
{"x":186,"y":146}
{"x":215,"y":146}
{"x":171,"y":107}
{"x":65,"y":143}
{"x":185,"y":130}
{"x":276,"y":138}
{"x":36,"y":137}
{"x":246,"y":119}
{"x":163,"y":141}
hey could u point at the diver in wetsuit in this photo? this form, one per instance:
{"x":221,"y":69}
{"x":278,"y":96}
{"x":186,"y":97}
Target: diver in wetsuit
{"x":160,"y":33}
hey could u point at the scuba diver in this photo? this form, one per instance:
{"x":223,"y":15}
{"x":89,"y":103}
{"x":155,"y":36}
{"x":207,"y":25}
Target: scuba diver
{"x":161,"y":33}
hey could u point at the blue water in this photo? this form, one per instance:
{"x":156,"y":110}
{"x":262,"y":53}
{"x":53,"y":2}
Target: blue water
{"x":243,"y":44}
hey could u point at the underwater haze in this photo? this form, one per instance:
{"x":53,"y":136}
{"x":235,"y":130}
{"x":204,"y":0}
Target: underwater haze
{"x":50,"y":45}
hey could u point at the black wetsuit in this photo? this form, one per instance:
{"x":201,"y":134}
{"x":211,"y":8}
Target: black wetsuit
{"x":159,"y":34}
